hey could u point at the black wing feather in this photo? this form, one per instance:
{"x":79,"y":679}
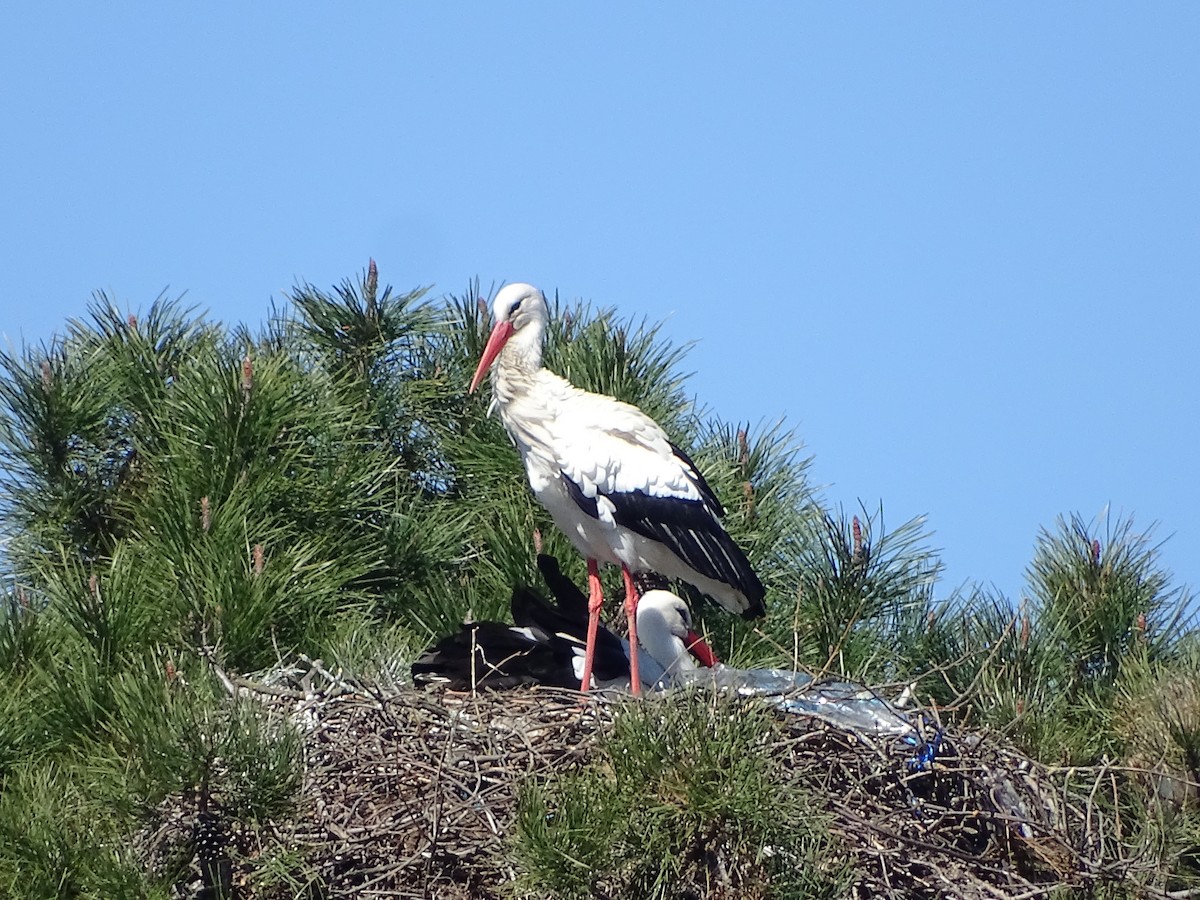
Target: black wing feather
{"x":691,"y":529}
{"x":503,"y":658}
{"x":571,"y":600}
{"x":707,"y":493}
{"x":691,"y":532}
{"x":568,"y":620}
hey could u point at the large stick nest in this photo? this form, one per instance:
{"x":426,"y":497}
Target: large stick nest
{"x":412,"y":793}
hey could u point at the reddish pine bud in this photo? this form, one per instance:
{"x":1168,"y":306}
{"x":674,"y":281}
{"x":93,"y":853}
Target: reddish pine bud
{"x":482,"y":306}
{"x":259,"y":561}
{"x":1096,"y":552}
{"x":132,"y":322}
{"x":47,"y":374}
{"x":743,"y":447}
{"x":94,"y":587}
{"x":856,"y":533}
{"x":537,"y":540}
{"x":748,"y":491}
{"x":170,"y":667}
{"x":205,"y":514}
{"x":247,"y":375}
{"x":1024,"y":632}
{"x":372,"y":279}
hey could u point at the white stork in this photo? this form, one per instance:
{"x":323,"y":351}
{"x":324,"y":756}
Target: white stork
{"x":608,"y":475}
{"x":546,"y":647}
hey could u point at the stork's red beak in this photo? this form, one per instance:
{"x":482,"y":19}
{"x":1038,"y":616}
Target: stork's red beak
{"x":499,"y":337}
{"x":699,"y":648}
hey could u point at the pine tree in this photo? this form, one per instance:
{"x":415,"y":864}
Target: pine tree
{"x":187,"y":504}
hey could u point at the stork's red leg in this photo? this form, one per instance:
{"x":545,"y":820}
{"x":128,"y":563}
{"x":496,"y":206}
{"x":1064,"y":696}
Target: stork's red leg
{"x":595,"y":601}
{"x":631,"y":602}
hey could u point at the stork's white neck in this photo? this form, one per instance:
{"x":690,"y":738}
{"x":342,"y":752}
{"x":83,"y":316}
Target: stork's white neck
{"x":667,"y":650}
{"x":518,"y":363}
{"x":524,"y":349}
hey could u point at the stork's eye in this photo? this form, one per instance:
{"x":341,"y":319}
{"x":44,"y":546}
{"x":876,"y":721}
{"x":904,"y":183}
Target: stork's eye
{"x":512,"y":310}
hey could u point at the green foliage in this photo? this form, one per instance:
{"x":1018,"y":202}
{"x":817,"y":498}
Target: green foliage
{"x":285,"y":872}
{"x":59,"y":841}
{"x":1049,"y":672}
{"x":682,"y":797}
{"x":23,"y":637}
{"x":626,"y":359}
{"x":27,"y":693}
{"x":1103,"y":600}
{"x":843,"y":588}
{"x":175,"y":730}
{"x":1156,"y":715}
{"x":81,"y":412}
{"x":178,"y":498}
{"x":860,"y":584}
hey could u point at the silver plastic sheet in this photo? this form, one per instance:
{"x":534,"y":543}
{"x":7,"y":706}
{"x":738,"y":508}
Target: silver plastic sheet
{"x":848,"y":706}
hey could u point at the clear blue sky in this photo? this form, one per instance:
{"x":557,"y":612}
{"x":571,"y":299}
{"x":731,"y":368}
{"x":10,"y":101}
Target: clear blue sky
{"x":956,"y":246}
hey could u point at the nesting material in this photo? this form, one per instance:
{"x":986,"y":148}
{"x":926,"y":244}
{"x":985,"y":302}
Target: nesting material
{"x":412,"y":793}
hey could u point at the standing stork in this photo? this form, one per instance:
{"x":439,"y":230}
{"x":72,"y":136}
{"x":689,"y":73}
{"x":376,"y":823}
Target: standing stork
{"x":608,"y":475}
